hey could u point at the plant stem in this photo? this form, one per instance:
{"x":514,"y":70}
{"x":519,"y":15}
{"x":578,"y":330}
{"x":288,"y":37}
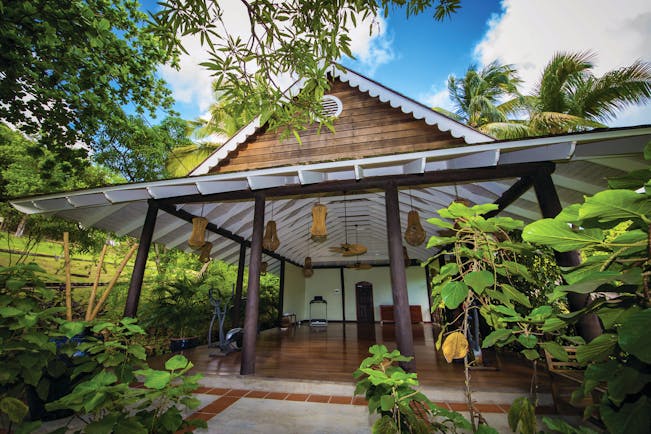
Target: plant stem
{"x":466,"y":367}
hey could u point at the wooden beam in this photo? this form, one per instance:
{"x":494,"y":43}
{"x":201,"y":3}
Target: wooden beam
{"x":589,"y":326}
{"x":253,"y":289}
{"x":404,"y":335}
{"x":133,"y":296}
{"x":343,"y":294}
{"x":239,"y":282}
{"x":182,"y":214}
{"x":281,"y":293}
{"x":441,"y":177}
{"x":511,"y":195}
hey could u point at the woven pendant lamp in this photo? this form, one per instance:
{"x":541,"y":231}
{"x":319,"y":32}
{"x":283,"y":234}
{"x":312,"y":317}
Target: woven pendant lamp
{"x":308,"y":271}
{"x":414,"y":234}
{"x":198,"y":235}
{"x":204,"y":253}
{"x":270,"y":241}
{"x":318,"y":232}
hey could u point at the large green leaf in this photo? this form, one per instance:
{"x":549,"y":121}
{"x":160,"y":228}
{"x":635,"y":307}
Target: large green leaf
{"x":631,"y":418}
{"x":479,"y":280}
{"x":387,"y":402}
{"x":610,"y":317}
{"x":634,"y":335}
{"x":14,"y":408}
{"x":612,"y":205}
{"x":102,"y":426}
{"x":556,"y":350}
{"x":591,"y":281}
{"x":560,"y":236}
{"x":439,"y":241}
{"x":176,"y":362}
{"x":453,"y":294}
{"x":442,"y":223}
{"x":515,"y":295}
{"x":597,"y":350}
{"x":528,"y":341}
{"x":496,"y":336}
{"x":157,"y":379}
{"x":522,"y":416}
{"x":625,"y":381}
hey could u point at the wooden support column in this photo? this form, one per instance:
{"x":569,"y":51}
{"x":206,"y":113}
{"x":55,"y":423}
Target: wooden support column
{"x":428,"y":285}
{"x":138,"y":274}
{"x":239,"y":283}
{"x":589,"y":326}
{"x":343,"y":294}
{"x":253,"y":289}
{"x":281,"y":292}
{"x":404,"y":336}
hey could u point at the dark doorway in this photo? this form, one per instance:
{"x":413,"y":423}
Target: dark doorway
{"x":364,"y":298}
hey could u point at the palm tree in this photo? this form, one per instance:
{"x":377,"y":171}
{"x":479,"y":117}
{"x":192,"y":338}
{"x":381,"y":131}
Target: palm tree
{"x":569,"y":98}
{"x":477,"y":95}
{"x":208,"y":134}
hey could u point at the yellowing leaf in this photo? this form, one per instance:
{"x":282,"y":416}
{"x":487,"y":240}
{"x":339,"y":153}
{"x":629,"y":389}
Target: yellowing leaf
{"x":455,"y":346}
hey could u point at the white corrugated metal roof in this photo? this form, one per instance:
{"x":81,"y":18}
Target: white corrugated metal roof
{"x":584,"y":161}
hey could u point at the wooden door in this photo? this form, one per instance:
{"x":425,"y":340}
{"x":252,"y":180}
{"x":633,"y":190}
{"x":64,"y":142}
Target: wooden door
{"x":364,"y":298}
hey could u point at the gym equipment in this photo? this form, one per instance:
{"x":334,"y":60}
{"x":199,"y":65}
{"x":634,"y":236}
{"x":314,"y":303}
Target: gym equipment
{"x":319,"y":322}
{"x":232,"y":340}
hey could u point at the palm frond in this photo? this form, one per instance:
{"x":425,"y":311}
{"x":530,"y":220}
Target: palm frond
{"x":557,"y":79}
{"x":556,"y":123}
{"x":508,"y":130}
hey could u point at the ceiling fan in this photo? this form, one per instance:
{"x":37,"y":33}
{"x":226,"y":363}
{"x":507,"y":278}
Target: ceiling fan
{"x":347,"y":249}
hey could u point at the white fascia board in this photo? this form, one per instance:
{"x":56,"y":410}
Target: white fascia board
{"x":228,"y":147}
{"x":414,"y":167}
{"x":93,"y":199}
{"x":173,"y":190}
{"x":556,"y":152}
{"x":479,"y":159}
{"x":212,"y":187}
{"x":269,"y":181}
{"x":310,"y":177}
{"x":55,"y":204}
{"x":128,"y":195}
{"x":619,"y":146}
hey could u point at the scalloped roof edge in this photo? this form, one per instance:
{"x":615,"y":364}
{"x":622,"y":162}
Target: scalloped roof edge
{"x":373,"y":89}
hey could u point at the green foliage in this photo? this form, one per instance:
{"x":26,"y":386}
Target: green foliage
{"x":522,"y":416}
{"x":620,"y":265}
{"x":27,"y":356}
{"x":290,"y":40}
{"x":70,"y":68}
{"x":110,"y":405}
{"x":391,"y":393}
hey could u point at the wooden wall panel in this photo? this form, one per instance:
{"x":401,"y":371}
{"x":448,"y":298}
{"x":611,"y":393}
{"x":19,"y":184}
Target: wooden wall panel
{"x":366,"y":128}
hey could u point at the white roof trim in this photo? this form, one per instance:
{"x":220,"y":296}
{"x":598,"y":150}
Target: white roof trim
{"x":488,"y":154}
{"x":373,"y":89}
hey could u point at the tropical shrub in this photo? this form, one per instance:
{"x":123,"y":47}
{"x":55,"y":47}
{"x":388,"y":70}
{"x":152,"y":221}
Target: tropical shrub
{"x":390,"y":393}
{"x":617,"y":277}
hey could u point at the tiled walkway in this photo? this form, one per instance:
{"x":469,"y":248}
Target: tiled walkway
{"x":252,"y":405}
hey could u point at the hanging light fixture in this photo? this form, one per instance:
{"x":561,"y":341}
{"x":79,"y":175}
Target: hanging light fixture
{"x":414,"y":234}
{"x":270,"y":241}
{"x":204,"y":253}
{"x":318,"y":231}
{"x":344,"y":248}
{"x":198,"y":235}
{"x":263,"y":268}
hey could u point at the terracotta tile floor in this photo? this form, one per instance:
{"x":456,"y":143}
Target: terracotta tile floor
{"x":227,"y":397}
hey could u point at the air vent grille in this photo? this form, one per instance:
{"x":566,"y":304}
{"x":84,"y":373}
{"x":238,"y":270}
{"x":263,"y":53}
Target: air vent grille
{"x":332,"y":106}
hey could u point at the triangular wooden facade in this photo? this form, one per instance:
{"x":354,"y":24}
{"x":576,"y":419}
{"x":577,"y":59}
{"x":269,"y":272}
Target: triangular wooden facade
{"x":367,"y":127}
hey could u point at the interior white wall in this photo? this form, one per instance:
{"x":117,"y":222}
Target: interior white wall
{"x":299,"y":290}
{"x":294,"y":298}
{"x":326,"y":283}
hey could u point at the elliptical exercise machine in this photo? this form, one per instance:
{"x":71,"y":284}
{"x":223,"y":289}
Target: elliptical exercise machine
{"x":232,"y":340}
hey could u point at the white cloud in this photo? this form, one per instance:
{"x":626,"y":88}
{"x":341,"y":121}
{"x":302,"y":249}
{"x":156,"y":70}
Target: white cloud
{"x":371,"y":48}
{"x":528,"y":33}
{"x":438,"y":96}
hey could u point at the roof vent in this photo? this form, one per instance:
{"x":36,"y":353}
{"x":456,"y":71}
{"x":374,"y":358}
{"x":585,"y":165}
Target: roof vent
{"x":332,"y":106}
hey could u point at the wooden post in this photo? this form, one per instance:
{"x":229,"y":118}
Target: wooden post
{"x":93,"y":291}
{"x":589,"y":326}
{"x":138,"y":274}
{"x":253,"y":289}
{"x":343,"y":294}
{"x":239,"y":283}
{"x":281,"y":292}
{"x":428,"y":284}
{"x":404,"y":336}
{"x":66,"y":255}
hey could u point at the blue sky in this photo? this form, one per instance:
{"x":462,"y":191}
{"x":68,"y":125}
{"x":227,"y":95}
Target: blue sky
{"x":415,"y":56}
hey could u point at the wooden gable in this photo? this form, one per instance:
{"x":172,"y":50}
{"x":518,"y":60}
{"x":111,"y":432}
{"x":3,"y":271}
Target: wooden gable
{"x":366,"y":127}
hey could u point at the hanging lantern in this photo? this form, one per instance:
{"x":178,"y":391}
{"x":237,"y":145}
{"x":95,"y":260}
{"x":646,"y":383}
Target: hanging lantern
{"x":204,"y":253}
{"x":318,"y":231}
{"x":415,"y":234}
{"x":270,"y":240}
{"x":263,"y":268}
{"x":307,"y":267}
{"x":405,"y":256}
{"x":198,"y":235}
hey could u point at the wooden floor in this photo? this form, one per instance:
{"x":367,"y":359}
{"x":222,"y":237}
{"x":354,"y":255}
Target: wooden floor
{"x":332,"y":353}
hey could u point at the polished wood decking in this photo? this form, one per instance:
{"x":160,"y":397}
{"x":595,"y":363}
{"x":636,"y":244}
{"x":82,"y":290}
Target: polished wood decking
{"x":332,"y":353}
